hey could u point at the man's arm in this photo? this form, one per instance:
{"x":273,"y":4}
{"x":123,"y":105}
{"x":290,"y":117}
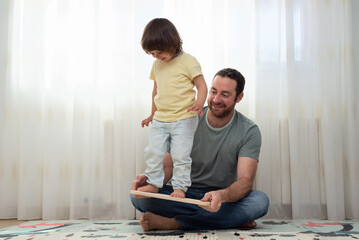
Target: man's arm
{"x":167,"y":168}
{"x":246,"y":172}
{"x":141,"y":179}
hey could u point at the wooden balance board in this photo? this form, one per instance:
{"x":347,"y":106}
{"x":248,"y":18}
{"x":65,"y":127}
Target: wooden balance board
{"x":168,"y":197}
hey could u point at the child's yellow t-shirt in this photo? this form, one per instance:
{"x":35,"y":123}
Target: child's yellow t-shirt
{"x":175,"y":91}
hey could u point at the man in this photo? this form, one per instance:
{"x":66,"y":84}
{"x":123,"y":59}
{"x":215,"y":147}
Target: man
{"x":224,"y":156}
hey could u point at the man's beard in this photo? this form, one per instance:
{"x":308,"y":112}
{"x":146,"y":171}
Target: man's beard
{"x":225,"y":110}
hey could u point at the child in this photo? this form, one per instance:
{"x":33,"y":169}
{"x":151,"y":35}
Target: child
{"x":174,"y":106}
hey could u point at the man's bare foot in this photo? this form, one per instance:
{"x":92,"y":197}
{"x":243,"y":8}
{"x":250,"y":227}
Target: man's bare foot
{"x":150,"y":221}
{"x":148,"y":188}
{"x":178,"y":193}
{"x":248,"y":225}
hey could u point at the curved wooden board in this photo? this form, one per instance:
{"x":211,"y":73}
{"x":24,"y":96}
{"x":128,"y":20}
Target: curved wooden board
{"x":168,"y":197}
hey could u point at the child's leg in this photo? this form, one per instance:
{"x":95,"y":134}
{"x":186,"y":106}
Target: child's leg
{"x":181,"y":145}
{"x":154,"y":154}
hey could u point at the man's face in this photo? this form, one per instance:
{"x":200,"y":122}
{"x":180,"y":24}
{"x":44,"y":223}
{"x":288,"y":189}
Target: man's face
{"x":160,"y":55}
{"x":222,"y":96}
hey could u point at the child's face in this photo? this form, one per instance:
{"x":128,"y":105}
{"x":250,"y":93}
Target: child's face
{"x":161,"y":55}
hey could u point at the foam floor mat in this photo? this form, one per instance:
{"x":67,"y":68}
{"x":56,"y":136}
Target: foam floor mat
{"x":130,"y":229}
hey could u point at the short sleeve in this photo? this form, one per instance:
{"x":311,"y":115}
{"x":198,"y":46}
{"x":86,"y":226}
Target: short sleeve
{"x":194,"y":68}
{"x":251,"y":144}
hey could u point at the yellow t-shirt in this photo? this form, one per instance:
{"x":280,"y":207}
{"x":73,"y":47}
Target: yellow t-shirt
{"x":175,"y":91}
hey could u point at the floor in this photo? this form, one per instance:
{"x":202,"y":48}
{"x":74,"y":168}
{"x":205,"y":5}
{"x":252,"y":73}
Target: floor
{"x":9,"y":222}
{"x":267,"y":229}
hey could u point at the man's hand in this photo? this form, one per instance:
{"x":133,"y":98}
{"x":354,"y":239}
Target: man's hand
{"x":215,"y":198}
{"x":141,"y":180}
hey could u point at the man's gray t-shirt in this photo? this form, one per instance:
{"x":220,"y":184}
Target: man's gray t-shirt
{"x":216,"y":151}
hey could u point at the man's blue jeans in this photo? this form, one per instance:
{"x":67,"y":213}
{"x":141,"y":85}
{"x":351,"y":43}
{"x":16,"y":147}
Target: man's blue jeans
{"x":190,"y":216}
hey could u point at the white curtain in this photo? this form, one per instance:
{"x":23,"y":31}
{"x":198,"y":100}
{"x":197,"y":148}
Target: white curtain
{"x":307,"y":108}
{"x":74,"y":89}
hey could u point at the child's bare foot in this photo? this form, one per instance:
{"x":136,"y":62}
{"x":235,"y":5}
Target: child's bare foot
{"x":150,"y":221}
{"x":148,"y":188}
{"x":178,"y":193}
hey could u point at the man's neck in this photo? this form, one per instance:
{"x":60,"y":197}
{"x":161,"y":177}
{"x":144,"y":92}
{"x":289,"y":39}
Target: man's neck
{"x":218,"y":122}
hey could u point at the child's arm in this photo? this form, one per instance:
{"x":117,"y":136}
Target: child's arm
{"x":201,"y":95}
{"x":154,"y":108}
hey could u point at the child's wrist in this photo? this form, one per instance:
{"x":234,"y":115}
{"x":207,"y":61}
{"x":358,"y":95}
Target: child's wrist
{"x":199,"y":105}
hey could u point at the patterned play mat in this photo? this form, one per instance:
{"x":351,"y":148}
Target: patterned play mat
{"x":130,"y":229}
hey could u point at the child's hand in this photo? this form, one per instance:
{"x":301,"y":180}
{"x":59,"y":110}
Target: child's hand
{"x":147,"y":121}
{"x":197,"y":109}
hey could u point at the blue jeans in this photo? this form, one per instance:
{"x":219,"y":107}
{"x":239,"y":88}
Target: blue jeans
{"x":193,"y":217}
{"x":177,"y":138}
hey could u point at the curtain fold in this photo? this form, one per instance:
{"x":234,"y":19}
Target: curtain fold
{"x":75,"y":87}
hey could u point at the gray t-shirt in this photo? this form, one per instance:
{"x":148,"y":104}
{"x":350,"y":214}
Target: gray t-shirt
{"x":216,"y":151}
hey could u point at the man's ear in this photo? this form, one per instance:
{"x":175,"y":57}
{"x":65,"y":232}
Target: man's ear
{"x":239,"y":98}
